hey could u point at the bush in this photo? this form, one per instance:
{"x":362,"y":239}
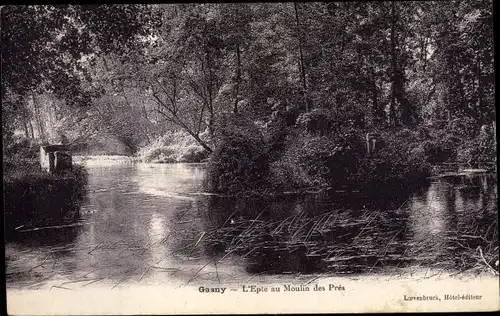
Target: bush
{"x":463,"y":127}
{"x":322,"y":121}
{"x":317,"y":121}
{"x":466,"y":142}
{"x":477,"y":150}
{"x":33,"y":197}
{"x":171,"y":148}
{"x":322,"y":160}
{"x":322,"y":150}
{"x":240,"y":162}
{"x":434,"y":152}
{"x":400,"y":166}
{"x":22,"y":148}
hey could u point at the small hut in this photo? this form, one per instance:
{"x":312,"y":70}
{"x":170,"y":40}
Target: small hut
{"x":55,"y":158}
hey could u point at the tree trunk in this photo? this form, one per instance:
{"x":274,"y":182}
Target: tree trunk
{"x":30,"y":125}
{"x":376,"y":113}
{"x":301,"y":56}
{"x":146,"y":121}
{"x":479,"y":87}
{"x":196,"y":136}
{"x":25,"y":126}
{"x":201,"y":142}
{"x":144,"y":129}
{"x":209,"y":84}
{"x":238,"y":78}
{"x":423,"y":57}
{"x":392,"y":109}
{"x":38,"y":119}
{"x":463,"y":100}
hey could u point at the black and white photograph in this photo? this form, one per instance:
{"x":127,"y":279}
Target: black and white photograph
{"x":235,"y":158}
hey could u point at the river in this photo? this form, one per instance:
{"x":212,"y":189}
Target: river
{"x":152,"y":224}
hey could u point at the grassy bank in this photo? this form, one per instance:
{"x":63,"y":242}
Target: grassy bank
{"x":35,"y":198}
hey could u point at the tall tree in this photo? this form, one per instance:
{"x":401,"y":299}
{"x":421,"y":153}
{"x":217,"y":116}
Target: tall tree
{"x":42,"y":45}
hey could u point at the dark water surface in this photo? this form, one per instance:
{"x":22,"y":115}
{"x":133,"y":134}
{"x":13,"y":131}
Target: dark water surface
{"x":148,"y":223}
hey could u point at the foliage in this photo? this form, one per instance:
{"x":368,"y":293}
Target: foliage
{"x":479,"y":149}
{"x":33,"y":197}
{"x":302,"y":74}
{"x":173,"y":147}
{"x":42,"y":44}
{"x":22,"y":148}
{"x":240,"y":162}
{"x":43,"y":48}
{"x":396,"y":166}
{"x":321,"y":160}
{"x":315,"y":121}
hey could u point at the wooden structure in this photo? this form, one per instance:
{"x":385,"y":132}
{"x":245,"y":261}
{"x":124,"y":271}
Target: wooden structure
{"x":55,"y":158}
{"x":374,"y":142}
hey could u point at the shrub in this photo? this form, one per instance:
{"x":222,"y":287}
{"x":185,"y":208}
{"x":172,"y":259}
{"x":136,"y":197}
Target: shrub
{"x":309,"y":158}
{"x":317,"y":160}
{"x":173,"y":147}
{"x":477,"y":150}
{"x":434,"y":152}
{"x":321,"y":121}
{"x":399,"y":166}
{"x":284,"y":176}
{"x":193,"y":153}
{"x":33,"y":197}
{"x":240,"y":162}
{"x":275,"y":137}
{"x":317,"y":121}
{"x":22,"y":148}
{"x":463,"y":127}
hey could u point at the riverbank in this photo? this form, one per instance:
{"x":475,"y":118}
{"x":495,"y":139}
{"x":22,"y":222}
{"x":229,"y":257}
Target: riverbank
{"x":102,"y":160}
{"x":322,"y":150}
{"x":283,"y":157}
{"x":35,"y":198}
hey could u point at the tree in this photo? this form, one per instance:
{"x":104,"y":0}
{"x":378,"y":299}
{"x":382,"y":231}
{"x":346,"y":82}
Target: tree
{"x":42,"y":46}
{"x":235,"y":25}
{"x":464,"y":58}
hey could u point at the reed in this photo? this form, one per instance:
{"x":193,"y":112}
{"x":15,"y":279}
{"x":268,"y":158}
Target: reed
{"x":346,"y":241}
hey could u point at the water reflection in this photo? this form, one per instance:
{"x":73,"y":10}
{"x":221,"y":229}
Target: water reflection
{"x":429,"y":219}
{"x":169,"y":180}
{"x":145,"y":223}
{"x":355,"y":233}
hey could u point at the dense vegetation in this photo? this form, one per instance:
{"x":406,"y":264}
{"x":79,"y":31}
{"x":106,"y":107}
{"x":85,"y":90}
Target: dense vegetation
{"x":280,"y":94}
{"x":36,"y":198}
{"x":172,"y":147}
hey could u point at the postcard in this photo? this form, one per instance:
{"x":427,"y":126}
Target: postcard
{"x":243,"y":158}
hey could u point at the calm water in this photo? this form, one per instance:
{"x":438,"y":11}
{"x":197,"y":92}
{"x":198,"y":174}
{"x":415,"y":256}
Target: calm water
{"x":145,"y":223}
